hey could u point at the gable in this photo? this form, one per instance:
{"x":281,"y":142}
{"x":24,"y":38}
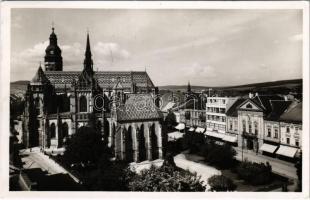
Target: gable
{"x":250,"y":105}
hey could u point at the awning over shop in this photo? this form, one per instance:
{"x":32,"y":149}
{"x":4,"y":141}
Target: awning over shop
{"x":200,"y":130}
{"x":268,"y":148}
{"x":230,"y":138}
{"x":214,"y":134}
{"x":180,"y":126}
{"x":191,"y":129}
{"x":287,"y":151}
{"x":175,"y":135}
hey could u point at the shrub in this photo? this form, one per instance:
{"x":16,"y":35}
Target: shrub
{"x":255,"y":173}
{"x":167,"y":179}
{"x":221,"y":183}
{"x":221,"y":156}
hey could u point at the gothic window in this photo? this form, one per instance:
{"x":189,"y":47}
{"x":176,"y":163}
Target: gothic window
{"x":65,"y":129}
{"x":53,"y":130}
{"x":83,"y":104}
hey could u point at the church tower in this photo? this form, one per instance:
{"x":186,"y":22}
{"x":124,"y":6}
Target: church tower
{"x":53,"y":59}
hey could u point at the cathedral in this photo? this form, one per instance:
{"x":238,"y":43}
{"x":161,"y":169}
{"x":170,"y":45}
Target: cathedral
{"x":120,"y":104}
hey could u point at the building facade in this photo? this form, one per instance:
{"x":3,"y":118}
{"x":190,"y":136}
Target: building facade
{"x":120,"y":105}
{"x":216,"y":108}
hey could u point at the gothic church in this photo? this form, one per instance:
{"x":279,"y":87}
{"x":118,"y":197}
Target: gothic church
{"x":120,"y":103}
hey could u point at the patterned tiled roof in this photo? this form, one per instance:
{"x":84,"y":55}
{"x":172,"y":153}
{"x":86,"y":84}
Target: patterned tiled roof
{"x":39,"y":77}
{"x":139,"y":107}
{"x":106,"y":79}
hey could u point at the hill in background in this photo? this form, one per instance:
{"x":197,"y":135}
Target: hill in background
{"x":275,"y":87}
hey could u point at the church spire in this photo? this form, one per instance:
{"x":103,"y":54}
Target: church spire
{"x":189,"y":90}
{"x":88,"y":62}
{"x":53,"y":58}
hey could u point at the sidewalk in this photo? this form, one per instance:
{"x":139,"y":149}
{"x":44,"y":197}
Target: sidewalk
{"x":279,"y":167}
{"x":36,"y":159}
{"x":194,"y":164}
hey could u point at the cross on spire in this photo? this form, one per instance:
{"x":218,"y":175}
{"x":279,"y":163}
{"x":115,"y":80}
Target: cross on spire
{"x":53,"y":26}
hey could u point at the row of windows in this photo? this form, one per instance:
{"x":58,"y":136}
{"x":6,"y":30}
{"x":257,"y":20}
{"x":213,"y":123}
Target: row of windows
{"x":216,"y":118}
{"x":223,"y":101}
{"x":216,"y":110}
{"x":289,"y":142}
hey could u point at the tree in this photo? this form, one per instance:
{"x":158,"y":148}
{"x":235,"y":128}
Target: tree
{"x":221,"y":156}
{"x":220,"y":183}
{"x":170,"y":120}
{"x":86,"y":148}
{"x":167,"y":179}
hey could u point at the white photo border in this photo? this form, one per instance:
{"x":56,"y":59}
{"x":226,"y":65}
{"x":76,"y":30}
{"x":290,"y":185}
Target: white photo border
{"x":6,"y":8}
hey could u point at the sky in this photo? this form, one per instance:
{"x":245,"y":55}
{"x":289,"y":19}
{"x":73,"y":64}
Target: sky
{"x":207,"y":47}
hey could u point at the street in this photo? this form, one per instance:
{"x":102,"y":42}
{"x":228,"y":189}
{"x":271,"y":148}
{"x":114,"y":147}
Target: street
{"x":35,"y":159}
{"x":279,"y":167}
{"x":46,"y":173}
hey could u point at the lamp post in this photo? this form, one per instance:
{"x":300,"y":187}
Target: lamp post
{"x":242,"y":135}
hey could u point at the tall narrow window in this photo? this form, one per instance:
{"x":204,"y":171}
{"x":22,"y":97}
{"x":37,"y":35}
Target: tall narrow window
{"x":243,"y":126}
{"x":276,"y":134}
{"x":83,"y":104}
{"x":255,"y":128}
{"x":287,"y":140}
{"x":268,"y":131}
{"x":250,"y":127}
{"x":287,"y":129}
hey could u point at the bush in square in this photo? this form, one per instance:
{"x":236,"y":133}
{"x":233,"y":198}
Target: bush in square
{"x":220,"y":183}
{"x":255,"y":173}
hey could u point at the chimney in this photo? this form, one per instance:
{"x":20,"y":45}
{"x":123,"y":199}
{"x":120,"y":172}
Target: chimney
{"x":250,"y":95}
{"x":256,"y":94}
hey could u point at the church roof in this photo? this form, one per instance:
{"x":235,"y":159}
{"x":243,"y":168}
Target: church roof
{"x":39,"y":77}
{"x":106,"y":79}
{"x":139,"y":107}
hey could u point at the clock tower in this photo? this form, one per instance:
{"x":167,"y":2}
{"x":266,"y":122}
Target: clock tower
{"x":53,"y":59}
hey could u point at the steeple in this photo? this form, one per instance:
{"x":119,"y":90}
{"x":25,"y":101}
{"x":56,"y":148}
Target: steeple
{"x":53,"y":59}
{"x":189,"y":90}
{"x":88,"y":62}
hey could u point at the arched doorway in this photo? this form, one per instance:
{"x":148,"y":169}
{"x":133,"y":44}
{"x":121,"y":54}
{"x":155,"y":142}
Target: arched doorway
{"x":64,"y":132}
{"x":154,"y":143}
{"x":53,"y":131}
{"x":128,"y":144}
{"x":141,"y":143}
